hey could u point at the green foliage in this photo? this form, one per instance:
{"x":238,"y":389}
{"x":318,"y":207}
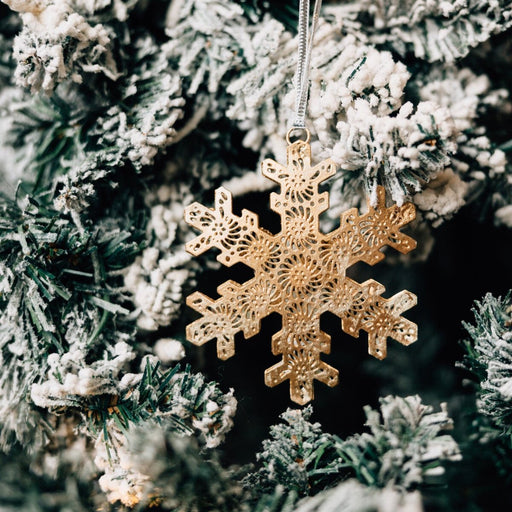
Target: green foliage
{"x":181,"y":477}
{"x":146,"y":105}
{"x":58,"y":288}
{"x":74,"y":41}
{"x":207,"y":53}
{"x":48,"y":259}
{"x":405,"y":445}
{"x":488,"y":356}
{"x":404,"y":449}
{"x":298,"y":456}
{"x":488,"y":342}
{"x":56,"y":128}
{"x":80,"y":137}
{"x":185,"y":402}
{"x":23,"y":488}
{"x":5,"y":61}
{"x":400,"y":153}
{"x":437,"y":31}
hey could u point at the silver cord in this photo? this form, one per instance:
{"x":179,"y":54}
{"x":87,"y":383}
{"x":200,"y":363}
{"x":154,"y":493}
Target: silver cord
{"x":306,"y":36}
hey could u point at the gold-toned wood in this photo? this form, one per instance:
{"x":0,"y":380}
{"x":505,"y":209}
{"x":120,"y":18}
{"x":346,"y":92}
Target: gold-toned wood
{"x":300,"y":273}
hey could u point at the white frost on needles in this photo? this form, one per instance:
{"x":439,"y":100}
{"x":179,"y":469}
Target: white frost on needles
{"x":58,"y":44}
{"x":156,"y":283}
{"x":156,"y":278}
{"x":120,"y":480}
{"x":408,"y":440}
{"x":169,"y":350}
{"x":477,"y":160}
{"x":143,"y":123}
{"x":391,"y":148}
{"x":6,"y":279}
{"x":356,"y":113}
{"x":467,"y":96}
{"x":489,"y":357}
{"x":342,"y":71}
{"x":207,"y":39}
{"x":433,"y":30}
{"x":192,"y":406}
{"x":69,"y":376}
{"x":444,"y":196}
{"x":353,"y":496}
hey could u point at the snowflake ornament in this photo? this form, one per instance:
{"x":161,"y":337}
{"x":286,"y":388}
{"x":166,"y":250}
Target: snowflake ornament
{"x":300,"y":273}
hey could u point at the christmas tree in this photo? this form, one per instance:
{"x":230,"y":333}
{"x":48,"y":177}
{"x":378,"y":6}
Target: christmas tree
{"x":116,"y":116}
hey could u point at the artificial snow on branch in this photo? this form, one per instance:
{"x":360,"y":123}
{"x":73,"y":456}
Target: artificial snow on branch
{"x":356,"y":497}
{"x":157,"y":277}
{"x":298,"y":456}
{"x":432,"y":31}
{"x":179,"y":475}
{"x":181,"y":403}
{"x":405,"y":445}
{"x":58,"y":44}
{"x":403,"y":451}
{"x":58,"y":296}
{"x":489,"y":358}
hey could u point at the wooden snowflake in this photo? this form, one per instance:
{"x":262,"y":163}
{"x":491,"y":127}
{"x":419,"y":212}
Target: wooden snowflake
{"x":300,"y":273}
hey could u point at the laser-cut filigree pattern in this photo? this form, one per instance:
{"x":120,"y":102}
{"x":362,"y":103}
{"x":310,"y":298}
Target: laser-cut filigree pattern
{"x":300,"y":274}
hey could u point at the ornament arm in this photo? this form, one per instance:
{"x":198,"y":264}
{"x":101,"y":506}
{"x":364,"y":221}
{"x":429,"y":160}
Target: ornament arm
{"x":220,"y":228}
{"x":380,"y":226}
{"x":240,"y":308}
{"x":380,"y":318}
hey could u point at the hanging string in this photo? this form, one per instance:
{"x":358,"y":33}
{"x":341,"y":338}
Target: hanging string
{"x":306,"y":36}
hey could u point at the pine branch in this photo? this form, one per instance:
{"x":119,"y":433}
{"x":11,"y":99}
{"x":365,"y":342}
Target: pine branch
{"x":356,"y":497}
{"x":405,"y":446}
{"x":477,"y":171}
{"x":404,"y":450}
{"x":298,"y":456}
{"x":178,"y":411}
{"x":439,"y":31}
{"x":21,"y":488}
{"x":58,"y":289}
{"x":56,"y":128}
{"x":208,"y":41}
{"x":489,"y":358}
{"x":141,"y":122}
{"x":357,"y":114}
{"x":66,"y":42}
{"x":80,"y":140}
{"x":185,"y":402}
{"x":400,"y":153}
{"x":181,"y":477}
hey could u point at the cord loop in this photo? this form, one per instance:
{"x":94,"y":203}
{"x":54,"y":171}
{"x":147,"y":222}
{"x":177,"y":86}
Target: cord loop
{"x":305,"y":37}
